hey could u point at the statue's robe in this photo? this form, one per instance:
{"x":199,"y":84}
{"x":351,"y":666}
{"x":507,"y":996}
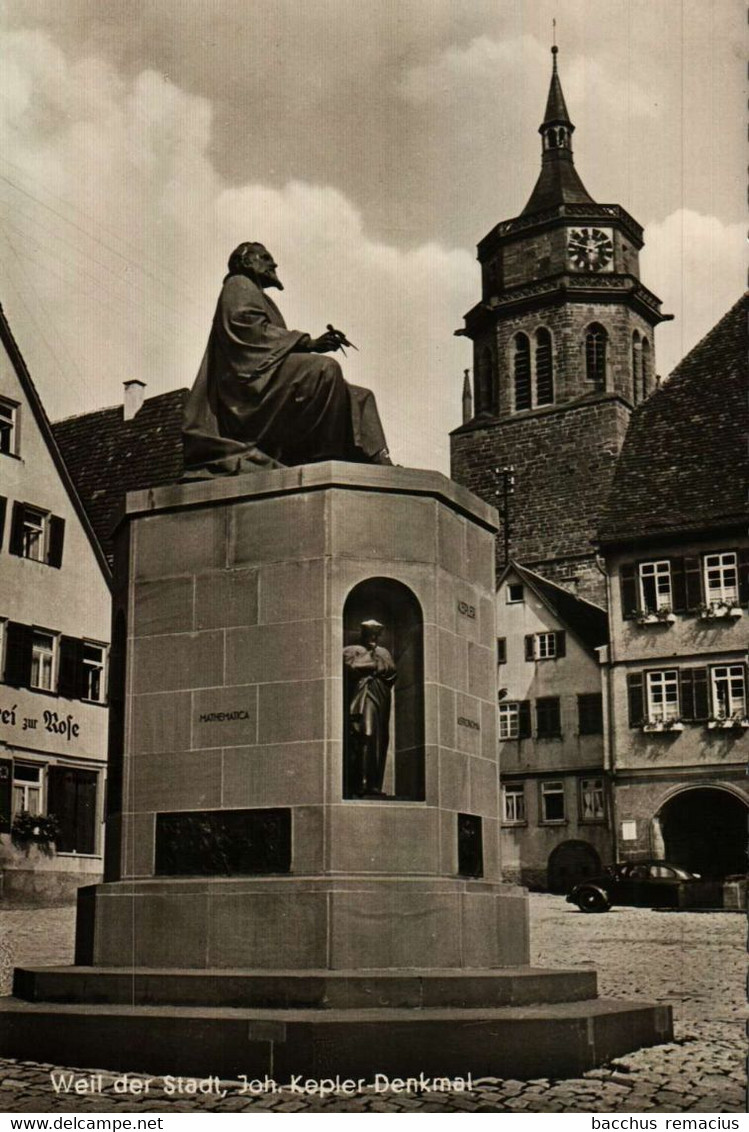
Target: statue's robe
{"x":259,"y":400}
{"x":370,"y":677}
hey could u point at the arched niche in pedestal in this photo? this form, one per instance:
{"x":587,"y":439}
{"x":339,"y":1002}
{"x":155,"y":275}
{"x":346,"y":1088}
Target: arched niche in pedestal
{"x":397,"y":608}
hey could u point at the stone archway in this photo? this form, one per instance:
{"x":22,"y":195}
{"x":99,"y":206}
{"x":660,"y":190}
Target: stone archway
{"x":569,"y":864}
{"x":705,"y":829}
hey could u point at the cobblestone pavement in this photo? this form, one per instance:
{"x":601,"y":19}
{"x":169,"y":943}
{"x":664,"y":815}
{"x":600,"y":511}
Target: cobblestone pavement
{"x":695,"y":961}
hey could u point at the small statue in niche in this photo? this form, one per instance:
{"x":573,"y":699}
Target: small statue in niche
{"x":371,"y":673}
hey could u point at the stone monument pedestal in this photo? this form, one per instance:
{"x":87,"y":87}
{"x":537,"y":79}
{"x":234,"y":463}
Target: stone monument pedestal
{"x":256,"y":918}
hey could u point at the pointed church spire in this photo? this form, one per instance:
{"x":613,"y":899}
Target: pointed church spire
{"x":556,"y":109}
{"x":558,"y":182}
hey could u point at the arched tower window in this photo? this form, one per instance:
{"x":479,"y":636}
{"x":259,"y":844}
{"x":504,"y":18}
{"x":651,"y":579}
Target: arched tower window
{"x":636,"y":368}
{"x":647,"y":368}
{"x":595,"y":356}
{"x":483,"y":385}
{"x":544,"y":368}
{"x":522,"y":372}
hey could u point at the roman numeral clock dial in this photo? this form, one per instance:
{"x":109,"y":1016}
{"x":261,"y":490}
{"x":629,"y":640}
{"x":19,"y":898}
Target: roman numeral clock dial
{"x":590,"y":249}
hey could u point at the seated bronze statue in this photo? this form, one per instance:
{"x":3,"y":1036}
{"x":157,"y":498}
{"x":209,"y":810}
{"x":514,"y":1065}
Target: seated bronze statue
{"x":267,"y":397}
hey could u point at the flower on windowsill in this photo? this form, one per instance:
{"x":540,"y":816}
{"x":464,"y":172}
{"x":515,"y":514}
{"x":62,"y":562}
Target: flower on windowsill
{"x":736,"y":721}
{"x":663,"y":725}
{"x":715,"y":610}
{"x":662,"y":616}
{"x":42,"y":828}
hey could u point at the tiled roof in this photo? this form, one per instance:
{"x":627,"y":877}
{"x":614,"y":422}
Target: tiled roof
{"x":682,"y":466}
{"x":587,"y":621}
{"x":108,"y":456}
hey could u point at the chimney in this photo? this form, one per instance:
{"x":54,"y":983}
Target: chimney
{"x":134,"y":393}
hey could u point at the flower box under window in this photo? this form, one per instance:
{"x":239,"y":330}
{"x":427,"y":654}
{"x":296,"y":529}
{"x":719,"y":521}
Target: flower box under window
{"x":668,"y":725}
{"x":655,"y":617}
{"x":734,"y":722}
{"x":718,"y":611}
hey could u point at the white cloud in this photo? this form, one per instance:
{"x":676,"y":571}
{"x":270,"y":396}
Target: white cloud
{"x":119,"y":228}
{"x":697,"y":265}
{"x":490,"y":69}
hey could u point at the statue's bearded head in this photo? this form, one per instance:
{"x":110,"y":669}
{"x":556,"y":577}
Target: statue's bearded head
{"x":255,"y":261}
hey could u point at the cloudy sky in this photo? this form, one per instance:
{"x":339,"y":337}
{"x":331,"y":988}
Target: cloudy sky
{"x":370,"y":144}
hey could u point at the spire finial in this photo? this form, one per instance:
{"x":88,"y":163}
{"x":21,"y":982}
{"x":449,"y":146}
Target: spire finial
{"x":554,"y":48}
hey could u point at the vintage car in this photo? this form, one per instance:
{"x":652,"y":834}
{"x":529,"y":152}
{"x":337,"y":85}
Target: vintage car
{"x":644,"y":884}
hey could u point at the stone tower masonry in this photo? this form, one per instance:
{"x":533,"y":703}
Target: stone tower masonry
{"x":563,"y":350}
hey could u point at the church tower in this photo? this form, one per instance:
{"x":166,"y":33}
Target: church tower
{"x":563,"y":350}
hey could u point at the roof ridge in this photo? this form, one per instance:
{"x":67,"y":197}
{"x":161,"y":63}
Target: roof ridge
{"x":562,"y":589}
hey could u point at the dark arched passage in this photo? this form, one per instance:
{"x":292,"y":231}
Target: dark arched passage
{"x":705,"y":830}
{"x":570,"y":863}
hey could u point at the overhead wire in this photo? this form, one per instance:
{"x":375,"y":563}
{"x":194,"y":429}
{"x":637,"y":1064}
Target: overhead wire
{"x":58,"y":362}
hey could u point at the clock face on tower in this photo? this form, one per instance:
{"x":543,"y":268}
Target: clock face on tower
{"x":590,"y":249}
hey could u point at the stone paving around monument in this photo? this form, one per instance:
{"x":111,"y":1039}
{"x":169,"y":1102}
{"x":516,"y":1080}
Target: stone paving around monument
{"x":694,"y":961}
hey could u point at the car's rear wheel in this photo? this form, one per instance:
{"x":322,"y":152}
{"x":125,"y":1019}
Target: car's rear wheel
{"x":592,"y":900}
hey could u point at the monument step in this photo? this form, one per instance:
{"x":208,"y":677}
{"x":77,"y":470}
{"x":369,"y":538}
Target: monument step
{"x":506,"y":986}
{"x":561,"y":1039}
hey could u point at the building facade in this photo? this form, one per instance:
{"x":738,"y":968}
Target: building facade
{"x":54,"y":642}
{"x":563,"y":341}
{"x":555,"y":783}
{"x":677,"y":554}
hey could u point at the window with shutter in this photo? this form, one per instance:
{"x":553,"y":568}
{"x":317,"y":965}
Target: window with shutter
{"x":530,"y":647}
{"x":743,"y":559}
{"x":56,"y":540}
{"x":678,"y":586}
{"x":693,"y":583}
{"x":36,"y":534}
{"x":561,"y":642}
{"x":636,"y":698}
{"x":508,"y":721}
{"x":18,"y":646}
{"x":68,"y":680}
{"x":501,"y":650}
{"x":3,"y":509}
{"x":524,"y":719}
{"x":628,"y":587}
